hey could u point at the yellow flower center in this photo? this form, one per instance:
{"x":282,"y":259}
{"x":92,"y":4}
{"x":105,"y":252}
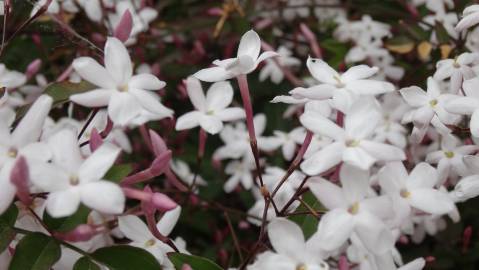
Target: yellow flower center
{"x":449,"y":154}
{"x":340,"y":84}
{"x":210,"y":112}
{"x":354,"y":209}
{"x":352,"y":143}
{"x":301,"y":267}
{"x":74,"y":181}
{"x":405,"y":194}
{"x":123,"y":88}
{"x":150,"y":243}
{"x":12,"y":153}
{"x":433,"y":103}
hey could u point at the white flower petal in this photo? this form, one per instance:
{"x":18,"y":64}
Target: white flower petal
{"x":195,"y":93}
{"x":431,"y":201}
{"x":63,"y":203}
{"x":188,"y":120}
{"x":103,"y":196}
{"x":219,"y":96}
{"x":146,"y":81}
{"x":117,"y":61}
{"x":213,"y":74}
{"x":96,"y":165}
{"x":334,"y":229}
{"x":286,"y":237}
{"x":91,"y":71}
{"x":123,"y":108}
{"x":134,"y":229}
{"x":93,"y":98}
{"x":30,"y":127}
{"x":324,"y":159}
{"x":250,"y":45}
{"x":168,"y":221}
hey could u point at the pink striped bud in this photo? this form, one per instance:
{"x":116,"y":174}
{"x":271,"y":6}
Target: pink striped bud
{"x":158,"y":144}
{"x":186,"y":267}
{"x":343,"y":263}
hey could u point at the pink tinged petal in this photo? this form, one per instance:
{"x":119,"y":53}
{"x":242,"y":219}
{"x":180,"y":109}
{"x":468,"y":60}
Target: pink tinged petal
{"x":117,"y":61}
{"x":188,"y":120}
{"x":462,"y":105}
{"x":149,"y":101}
{"x":95,"y":140}
{"x":414,"y":96}
{"x":211,"y":124}
{"x":431,"y":201}
{"x":321,"y":125}
{"x":63,"y":203}
{"x":369,"y":87}
{"x":103,"y":196}
{"x":91,"y":71}
{"x":382,"y":151}
{"x":213,"y":74}
{"x":324,"y":159}
{"x":123,"y":28}
{"x":474,"y":124}
{"x":329,"y":194}
{"x":66,"y":153}
{"x":355,"y":183}
{"x":20,"y":178}
{"x":356,"y":156}
{"x":146,"y":81}
{"x":422,"y":176}
{"x":168,"y":221}
{"x":134,"y":229}
{"x":30,"y":127}
{"x":96,"y":165}
{"x":318,"y":92}
{"x":123,"y":108}
{"x":93,"y":98}
{"x":195,"y":93}
{"x":231,"y":114}
{"x":392,"y":177}
{"x":358,"y":72}
{"x":8,"y":190}
{"x":374,"y":234}
{"x":321,"y":71}
{"x":250,"y":45}
{"x":335,"y":227}
{"x":219,"y":96}
{"x":286,"y":237}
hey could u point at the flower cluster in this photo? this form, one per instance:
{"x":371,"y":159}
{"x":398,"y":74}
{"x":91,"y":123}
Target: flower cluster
{"x":95,"y":165}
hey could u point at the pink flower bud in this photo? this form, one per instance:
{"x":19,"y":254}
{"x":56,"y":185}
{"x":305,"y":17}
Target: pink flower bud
{"x":123,"y":29}
{"x":19,"y":177}
{"x":160,"y":164}
{"x":466,"y":238}
{"x":33,"y":68}
{"x":81,"y":233}
{"x":162,"y":202}
{"x":216,"y":11}
{"x":343,"y":263}
{"x":158,"y":144}
{"x":95,"y":140}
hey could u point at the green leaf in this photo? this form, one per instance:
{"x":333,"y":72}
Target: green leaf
{"x":7,"y":221}
{"x":85,"y":263}
{"x":441,"y":33}
{"x":308,"y":223}
{"x":67,"y":223}
{"x":61,"y":92}
{"x":36,"y":251}
{"x":118,"y":172}
{"x":196,"y":262}
{"x":124,"y":257}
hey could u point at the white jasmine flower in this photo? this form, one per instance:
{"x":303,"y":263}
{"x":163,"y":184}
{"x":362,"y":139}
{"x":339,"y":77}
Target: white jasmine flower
{"x":128,"y":97}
